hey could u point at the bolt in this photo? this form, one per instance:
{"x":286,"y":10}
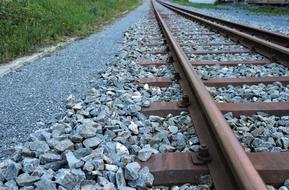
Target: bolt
{"x":177,"y":76}
{"x":204,"y":150}
{"x":273,"y":58}
{"x":185,"y":102}
{"x":203,"y":153}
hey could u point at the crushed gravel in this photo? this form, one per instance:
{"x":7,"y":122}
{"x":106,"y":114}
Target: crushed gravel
{"x":261,"y":132}
{"x":156,"y":57}
{"x":242,"y":70}
{"x":154,"y":48}
{"x":98,"y":142}
{"x":205,"y":183}
{"x":33,"y":94}
{"x":275,"y":92}
{"x":157,"y":71}
{"x":153,"y":94}
{"x":213,"y":48}
{"x":274,"y":23}
{"x":226,"y":57}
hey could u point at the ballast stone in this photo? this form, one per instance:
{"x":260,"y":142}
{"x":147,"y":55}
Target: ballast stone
{"x":91,"y":142}
{"x":145,"y":179}
{"x":9,"y":170}
{"x":173,"y":129}
{"x":69,"y":178}
{"x":98,"y":164}
{"x":65,"y":178}
{"x":45,"y":184}
{"x":132,"y":171}
{"x":64,"y":145}
{"x":105,"y":183}
{"x":86,"y":131}
{"x":72,"y":161}
{"x":119,"y":177}
{"x":49,"y":157}
{"x":26,"y":180}
{"x":38,"y":146}
{"x":145,"y":153}
{"x":30,"y":164}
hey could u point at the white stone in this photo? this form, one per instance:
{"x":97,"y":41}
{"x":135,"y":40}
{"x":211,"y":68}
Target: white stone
{"x":133,"y":127}
{"x":146,"y":87}
{"x":120,"y":148}
{"x":77,"y":106}
{"x":136,"y":95}
{"x":93,"y":90}
{"x":173,"y":129}
{"x":110,"y":167}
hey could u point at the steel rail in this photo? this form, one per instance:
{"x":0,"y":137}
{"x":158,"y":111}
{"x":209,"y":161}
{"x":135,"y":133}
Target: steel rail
{"x":241,"y":168}
{"x":273,"y":37}
{"x":268,"y":49}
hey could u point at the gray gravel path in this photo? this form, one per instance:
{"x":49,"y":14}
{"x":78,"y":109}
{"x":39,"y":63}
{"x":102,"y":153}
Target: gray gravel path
{"x":35,"y":94}
{"x":238,"y":14}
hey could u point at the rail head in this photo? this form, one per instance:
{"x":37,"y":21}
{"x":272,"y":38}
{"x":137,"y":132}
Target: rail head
{"x":242,"y":169}
{"x":275,"y":37}
{"x":272,"y":51}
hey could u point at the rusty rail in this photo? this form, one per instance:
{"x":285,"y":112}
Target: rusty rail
{"x":241,"y":168}
{"x":273,"y":37}
{"x":271,"y":50}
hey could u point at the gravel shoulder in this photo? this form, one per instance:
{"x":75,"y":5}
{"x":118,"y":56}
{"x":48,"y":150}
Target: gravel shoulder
{"x":236,"y":14}
{"x":34,"y":94}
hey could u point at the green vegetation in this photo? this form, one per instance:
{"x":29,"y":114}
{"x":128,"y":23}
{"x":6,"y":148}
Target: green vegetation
{"x":196,"y":5}
{"x":28,"y":24}
{"x":267,"y":10}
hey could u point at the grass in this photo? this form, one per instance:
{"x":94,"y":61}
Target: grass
{"x":26,"y":25}
{"x":196,"y":5}
{"x":267,"y":10}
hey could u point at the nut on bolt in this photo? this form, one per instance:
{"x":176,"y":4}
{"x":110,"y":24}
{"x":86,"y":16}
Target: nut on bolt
{"x":185,"y":102}
{"x":177,"y":77}
{"x":273,"y":58}
{"x":203,"y":156}
{"x":203,"y":153}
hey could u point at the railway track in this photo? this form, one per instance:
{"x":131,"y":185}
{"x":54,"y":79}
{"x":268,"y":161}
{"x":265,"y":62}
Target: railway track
{"x":182,"y":103}
{"x":266,"y":35}
{"x":193,"y":47}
